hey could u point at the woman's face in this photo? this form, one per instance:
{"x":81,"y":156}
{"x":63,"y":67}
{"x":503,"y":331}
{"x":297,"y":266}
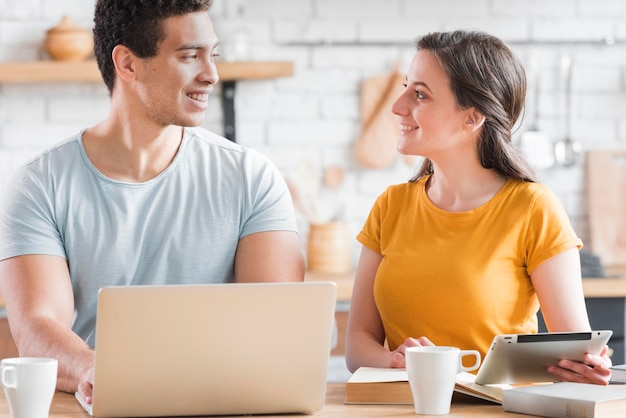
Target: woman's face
{"x":431,"y":123}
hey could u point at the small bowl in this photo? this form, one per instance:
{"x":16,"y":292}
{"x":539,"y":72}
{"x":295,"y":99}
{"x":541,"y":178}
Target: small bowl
{"x":68,"y":41}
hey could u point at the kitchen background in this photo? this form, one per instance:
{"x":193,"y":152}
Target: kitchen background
{"x":574,"y":52}
{"x":311,"y":121}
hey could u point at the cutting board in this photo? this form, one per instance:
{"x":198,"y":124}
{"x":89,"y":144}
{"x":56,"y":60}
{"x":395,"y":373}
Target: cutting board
{"x":376,"y":145}
{"x":606,"y":199}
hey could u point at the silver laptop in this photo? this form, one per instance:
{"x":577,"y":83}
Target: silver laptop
{"x":221,"y":349}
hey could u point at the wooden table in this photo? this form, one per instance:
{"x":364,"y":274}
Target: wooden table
{"x":65,"y":405}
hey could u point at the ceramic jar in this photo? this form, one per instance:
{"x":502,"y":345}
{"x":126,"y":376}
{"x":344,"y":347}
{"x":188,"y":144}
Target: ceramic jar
{"x":68,"y":41}
{"x":328,"y":248}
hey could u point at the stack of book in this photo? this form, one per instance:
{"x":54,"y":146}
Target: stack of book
{"x":567,"y":399}
{"x":563,"y":399}
{"x":618,"y":374}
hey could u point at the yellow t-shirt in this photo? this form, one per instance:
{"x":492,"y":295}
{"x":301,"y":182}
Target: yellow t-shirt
{"x":459,"y":278}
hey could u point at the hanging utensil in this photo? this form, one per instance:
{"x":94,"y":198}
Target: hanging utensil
{"x":332,"y":193}
{"x":567,"y":151}
{"x":535,"y":145}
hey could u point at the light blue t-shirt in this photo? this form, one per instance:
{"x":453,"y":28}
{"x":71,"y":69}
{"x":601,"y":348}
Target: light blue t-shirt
{"x":181,"y":227}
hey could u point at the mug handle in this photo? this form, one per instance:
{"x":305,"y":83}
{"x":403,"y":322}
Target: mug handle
{"x":7,"y":371}
{"x":476,"y":364}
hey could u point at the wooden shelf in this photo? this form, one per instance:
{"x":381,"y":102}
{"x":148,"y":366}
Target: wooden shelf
{"x":87,"y":71}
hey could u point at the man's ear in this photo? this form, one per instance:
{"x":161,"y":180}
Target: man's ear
{"x":475,"y":119}
{"x":124,"y":62}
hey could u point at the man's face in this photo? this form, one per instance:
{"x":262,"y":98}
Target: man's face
{"x":174,"y":86}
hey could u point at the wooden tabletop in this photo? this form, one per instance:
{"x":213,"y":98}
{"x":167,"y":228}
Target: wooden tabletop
{"x":66,"y":406}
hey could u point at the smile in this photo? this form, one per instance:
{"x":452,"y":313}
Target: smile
{"x":199,"y":97}
{"x":406,"y":128}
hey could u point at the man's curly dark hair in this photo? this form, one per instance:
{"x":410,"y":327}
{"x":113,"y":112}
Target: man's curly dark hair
{"x":136,"y":24}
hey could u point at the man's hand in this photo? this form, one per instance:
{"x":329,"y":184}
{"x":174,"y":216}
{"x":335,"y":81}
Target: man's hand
{"x":85,"y":388}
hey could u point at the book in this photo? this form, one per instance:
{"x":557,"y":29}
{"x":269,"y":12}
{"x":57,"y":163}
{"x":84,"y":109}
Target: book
{"x":567,"y":399}
{"x":618,"y":374}
{"x":372,"y":385}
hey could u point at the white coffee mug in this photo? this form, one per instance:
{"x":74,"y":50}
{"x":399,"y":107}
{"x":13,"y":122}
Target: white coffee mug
{"x":29,"y":385}
{"x":432,"y":374}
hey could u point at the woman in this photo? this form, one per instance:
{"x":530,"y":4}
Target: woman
{"x":472,"y":245}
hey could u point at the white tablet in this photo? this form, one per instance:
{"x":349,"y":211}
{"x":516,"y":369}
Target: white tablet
{"x":524,"y":358}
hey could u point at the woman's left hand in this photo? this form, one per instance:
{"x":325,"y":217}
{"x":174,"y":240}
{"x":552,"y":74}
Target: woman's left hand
{"x":594,"y":369}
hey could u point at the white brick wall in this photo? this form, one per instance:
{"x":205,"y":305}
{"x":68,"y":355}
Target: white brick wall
{"x":357,"y":10}
{"x":313,"y":117}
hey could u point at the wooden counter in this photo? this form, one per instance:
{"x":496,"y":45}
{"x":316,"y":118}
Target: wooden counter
{"x":605,"y":298}
{"x":65,"y":405}
{"x":613,"y":286}
{"x":344,"y":283}
{"x":601,"y":287}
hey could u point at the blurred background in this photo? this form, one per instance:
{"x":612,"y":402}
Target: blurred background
{"x":344,"y":58}
{"x":312,"y":120}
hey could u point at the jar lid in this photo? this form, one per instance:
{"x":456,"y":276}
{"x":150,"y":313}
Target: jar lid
{"x":66,"y":25}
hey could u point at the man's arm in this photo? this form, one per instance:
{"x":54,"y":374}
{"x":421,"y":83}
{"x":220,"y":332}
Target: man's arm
{"x":273,"y":256}
{"x":38,"y":296}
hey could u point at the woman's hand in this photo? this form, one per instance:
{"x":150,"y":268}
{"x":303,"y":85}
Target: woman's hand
{"x":594,"y":369}
{"x":397,"y":359}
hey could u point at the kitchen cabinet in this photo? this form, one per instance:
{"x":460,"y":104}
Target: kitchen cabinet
{"x":608,"y":313}
{"x":344,"y":293}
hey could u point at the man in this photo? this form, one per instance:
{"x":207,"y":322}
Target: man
{"x":140,"y":198}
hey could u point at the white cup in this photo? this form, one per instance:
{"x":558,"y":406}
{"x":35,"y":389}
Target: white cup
{"x":432,"y":374}
{"x":29,"y":385}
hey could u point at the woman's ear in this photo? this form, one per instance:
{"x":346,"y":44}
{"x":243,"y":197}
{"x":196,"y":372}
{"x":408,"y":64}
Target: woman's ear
{"x":475,"y":119}
{"x":124,"y":62}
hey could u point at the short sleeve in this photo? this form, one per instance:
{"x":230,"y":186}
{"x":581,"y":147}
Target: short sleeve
{"x":550,"y":230}
{"x":269,"y":201}
{"x":370,"y":234}
{"x":27,"y":224}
